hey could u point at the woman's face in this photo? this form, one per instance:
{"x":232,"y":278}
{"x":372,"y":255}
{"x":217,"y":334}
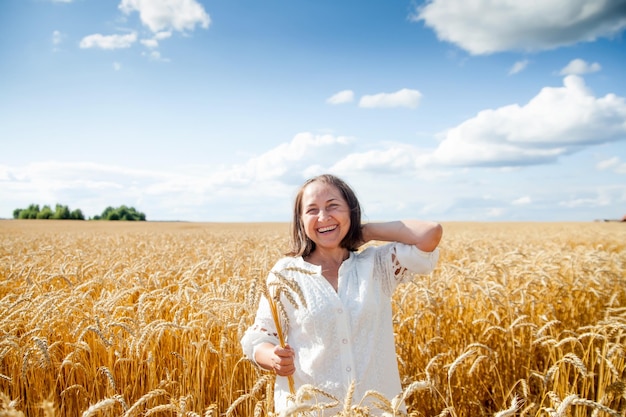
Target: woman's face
{"x":325,"y":214}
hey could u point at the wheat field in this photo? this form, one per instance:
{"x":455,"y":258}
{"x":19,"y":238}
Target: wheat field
{"x":144,"y":319}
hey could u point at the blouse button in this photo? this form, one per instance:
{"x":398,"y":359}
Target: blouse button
{"x":340,"y":310}
{"x":344,"y":341}
{"x":348,"y":369}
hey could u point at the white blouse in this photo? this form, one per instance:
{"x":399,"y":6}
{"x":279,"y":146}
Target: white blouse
{"x":342,"y":336}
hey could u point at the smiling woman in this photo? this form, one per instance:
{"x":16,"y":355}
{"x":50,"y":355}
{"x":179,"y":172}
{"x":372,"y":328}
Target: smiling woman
{"x":339,"y":334}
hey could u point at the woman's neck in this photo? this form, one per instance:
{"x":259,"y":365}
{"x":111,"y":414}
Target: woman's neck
{"x":329,"y":263}
{"x":328,"y":258}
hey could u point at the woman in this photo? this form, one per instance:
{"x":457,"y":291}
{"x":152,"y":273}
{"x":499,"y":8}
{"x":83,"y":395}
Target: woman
{"x":342,"y":331}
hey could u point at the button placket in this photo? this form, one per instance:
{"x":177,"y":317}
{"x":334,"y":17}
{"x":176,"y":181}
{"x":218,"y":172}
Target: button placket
{"x":343,"y":328}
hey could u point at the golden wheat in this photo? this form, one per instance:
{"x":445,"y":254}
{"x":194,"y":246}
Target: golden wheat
{"x":132,"y":319}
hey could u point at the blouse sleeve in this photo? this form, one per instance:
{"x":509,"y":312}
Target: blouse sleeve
{"x":398,"y":262}
{"x":262,"y":330}
{"x":416,"y":260}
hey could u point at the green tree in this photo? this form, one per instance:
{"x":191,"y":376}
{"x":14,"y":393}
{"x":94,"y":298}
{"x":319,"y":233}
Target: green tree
{"x":28,"y":213}
{"x":45,"y":213}
{"x":107,"y":211}
{"x":123,"y":212}
{"x":61,"y":212}
{"x":77,"y":215}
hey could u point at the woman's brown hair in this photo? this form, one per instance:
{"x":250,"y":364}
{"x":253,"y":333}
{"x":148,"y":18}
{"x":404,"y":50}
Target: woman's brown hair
{"x":301,"y":245}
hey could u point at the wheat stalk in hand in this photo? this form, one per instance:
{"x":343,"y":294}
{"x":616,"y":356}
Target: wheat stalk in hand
{"x":287,"y":287}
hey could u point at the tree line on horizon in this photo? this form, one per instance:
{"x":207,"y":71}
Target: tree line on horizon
{"x":62,"y":212}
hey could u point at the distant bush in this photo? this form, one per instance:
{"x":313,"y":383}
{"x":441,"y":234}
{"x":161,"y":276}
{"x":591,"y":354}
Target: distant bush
{"x":60,"y":212}
{"x":121,"y":213}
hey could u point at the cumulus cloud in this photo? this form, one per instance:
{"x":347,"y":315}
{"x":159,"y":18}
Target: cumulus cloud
{"x":519,"y":66}
{"x":304,"y":152}
{"x":150,"y":43}
{"x":57,"y":37}
{"x":613,"y":164}
{"x":54,"y":182}
{"x":289,"y":159}
{"x":485,"y":26}
{"x":607,"y":163}
{"x":522,"y":201}
{"x":155,"y":56}
{"x":602,"y":197}
{"x":108,"y":42}
{"x":159,"y":15}
{"x":580,"y":67}
{"x":344,"y":96}
{"x":154,"y":41}
{"x":259,"y":182}
{"x":396,"y":159}
{"x":402,"y":98}
{"x":557,"y":121}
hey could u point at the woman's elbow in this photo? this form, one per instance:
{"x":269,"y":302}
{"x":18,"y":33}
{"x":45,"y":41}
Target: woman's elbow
{"x":432,"y":238}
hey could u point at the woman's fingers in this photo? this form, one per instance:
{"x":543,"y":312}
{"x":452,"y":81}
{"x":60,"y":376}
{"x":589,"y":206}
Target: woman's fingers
{"x":285,"y":352}
{"x":283,"y":360}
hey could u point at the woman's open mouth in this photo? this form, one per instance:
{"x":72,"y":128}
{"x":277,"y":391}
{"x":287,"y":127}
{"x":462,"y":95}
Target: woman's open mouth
{"x":326,"y":229}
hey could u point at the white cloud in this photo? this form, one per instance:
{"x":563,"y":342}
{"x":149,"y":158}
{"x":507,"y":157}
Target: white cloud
{"x":117,"y":66}
{"x":88,"y":186}
{"x":306,"y":151}
{"x":558,"y":121}
{"x":402,"y":98}
{"x":154,"y":41}
{"x":108,"y":42}
{"x":163,"y":35}
{"x":614,"y":164}
{"x":519,"y":66}
{"x":487,"y":26}
{"x":344,"y":96}
{"x":391,"y":182}
{"x":158,"y":15}
{"x":608,"y":163}
{"x":57,"y":37}
{"x":495,"y":212}
{"x":396,"y":158}
{"x":257,"y":183}
{"x":522,"y":201}
{"x":155,"y":56}
{"x":601,"y":199}
{"x":580,"y":67}
{"x":150,"y":43}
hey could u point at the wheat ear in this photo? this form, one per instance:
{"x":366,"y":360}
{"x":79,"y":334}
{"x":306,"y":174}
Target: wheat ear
{"x":273,"y":302}
{"x":274,"y":291}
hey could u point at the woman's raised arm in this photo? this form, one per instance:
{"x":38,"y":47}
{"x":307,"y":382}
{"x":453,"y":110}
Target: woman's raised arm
{"x":425,"y":235}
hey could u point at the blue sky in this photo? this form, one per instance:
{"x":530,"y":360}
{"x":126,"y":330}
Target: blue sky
{"x":217,"y":110}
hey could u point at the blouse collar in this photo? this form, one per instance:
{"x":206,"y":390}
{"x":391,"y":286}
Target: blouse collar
{"x":318,"y":269}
